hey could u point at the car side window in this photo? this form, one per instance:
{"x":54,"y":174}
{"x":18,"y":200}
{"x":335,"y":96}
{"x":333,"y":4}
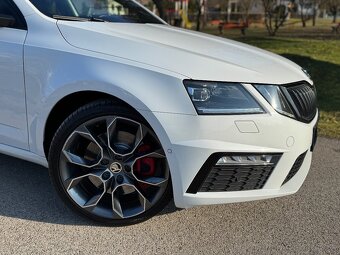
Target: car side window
{"x":11,"y":15}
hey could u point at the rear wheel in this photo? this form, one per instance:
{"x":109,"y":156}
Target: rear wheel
{"x":108,"y":164}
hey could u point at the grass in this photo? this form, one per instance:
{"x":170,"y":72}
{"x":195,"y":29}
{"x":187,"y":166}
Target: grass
{"x":315,"y":49}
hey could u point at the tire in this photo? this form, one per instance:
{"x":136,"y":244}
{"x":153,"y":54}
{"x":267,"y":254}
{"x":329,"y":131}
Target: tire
{"x":126,"y":167}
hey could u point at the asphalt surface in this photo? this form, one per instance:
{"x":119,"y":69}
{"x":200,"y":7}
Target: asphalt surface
{"x":34,"y":221}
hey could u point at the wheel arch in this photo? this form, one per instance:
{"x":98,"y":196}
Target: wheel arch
{"x":49,"y":120}
{"x":68,"y":104}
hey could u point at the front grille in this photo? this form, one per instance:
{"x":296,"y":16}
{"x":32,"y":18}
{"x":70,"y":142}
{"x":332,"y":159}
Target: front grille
{"x":296,"y":167}
{"x":302,"y":97}
{"x":247,"y":172}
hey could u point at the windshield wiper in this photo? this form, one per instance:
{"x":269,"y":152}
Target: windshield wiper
{"x":73,"y":18}
{"x":96,"y":19}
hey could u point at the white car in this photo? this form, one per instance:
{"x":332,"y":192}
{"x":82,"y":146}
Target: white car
{"x":128,"y":112}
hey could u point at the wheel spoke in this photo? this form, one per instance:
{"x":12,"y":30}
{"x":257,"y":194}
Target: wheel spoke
{"x":154,"y":154}
{"x":88,"y":157}
{"x":98,"y":140}
{"x":127,"y":201}
{"x":124,"y":136}
{"x":143,"y":133}
{"x":158,"y":160}
{"x":139,"y":155}
{"x":142,"y":187}
{"x":93,"y":201}
{"x":96,"y":183}
{"x":101,"y":139}
{"x":96,"y":173}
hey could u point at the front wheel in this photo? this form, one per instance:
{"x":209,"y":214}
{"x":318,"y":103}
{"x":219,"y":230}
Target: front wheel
{"x":107,"y":164}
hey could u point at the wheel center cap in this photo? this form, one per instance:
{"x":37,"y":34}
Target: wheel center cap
{"x":115,"y":167}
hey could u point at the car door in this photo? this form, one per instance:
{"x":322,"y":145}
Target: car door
{"x":13,"y":119}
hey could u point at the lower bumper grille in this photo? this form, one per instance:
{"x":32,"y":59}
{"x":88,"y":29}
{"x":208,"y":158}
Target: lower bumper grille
{"x":296,"y":167}
{"x":236,"y":178}
{"x":223,"y":172}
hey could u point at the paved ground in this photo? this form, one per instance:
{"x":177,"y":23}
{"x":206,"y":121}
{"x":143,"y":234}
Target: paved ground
{"x":33,"y":221}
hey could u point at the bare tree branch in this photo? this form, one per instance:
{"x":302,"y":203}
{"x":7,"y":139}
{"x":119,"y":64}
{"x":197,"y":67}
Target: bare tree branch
{"x":245,"y":6}
{"x":275,"y":14}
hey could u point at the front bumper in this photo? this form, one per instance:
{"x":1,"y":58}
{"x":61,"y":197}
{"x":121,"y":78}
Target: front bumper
{"x":190,"y":140}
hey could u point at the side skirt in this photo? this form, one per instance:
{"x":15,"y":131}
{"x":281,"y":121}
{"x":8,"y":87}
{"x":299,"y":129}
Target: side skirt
{"x":23,"y":154}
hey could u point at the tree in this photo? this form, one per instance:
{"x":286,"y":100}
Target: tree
{"x":310,"y":6}
{"x":160,"y":8}
{"x":275,"y":14}
{"x":199,"y":6}
{"x":304,"y":6}
{"x":245,"y":6}
{"x":315,"y":7}
{"x":333,"y":7}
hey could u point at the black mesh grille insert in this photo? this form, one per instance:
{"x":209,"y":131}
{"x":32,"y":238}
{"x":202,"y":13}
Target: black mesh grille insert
{"x":238,"y":172}
{"x":236,"y":178}
{"x":296,"y":167}
{"x":303,"y":100}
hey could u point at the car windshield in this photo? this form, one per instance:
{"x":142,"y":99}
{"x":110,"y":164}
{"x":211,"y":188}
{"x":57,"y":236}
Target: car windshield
{"x":124,"y":11}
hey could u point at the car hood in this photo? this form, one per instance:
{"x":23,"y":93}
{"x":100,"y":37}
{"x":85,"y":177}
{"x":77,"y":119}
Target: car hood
{"x":191,"y":54}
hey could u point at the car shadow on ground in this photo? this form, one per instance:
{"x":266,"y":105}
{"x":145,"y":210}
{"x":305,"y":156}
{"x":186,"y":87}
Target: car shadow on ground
{"x":26,"y":193}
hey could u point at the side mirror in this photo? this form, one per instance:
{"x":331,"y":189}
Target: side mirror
{"x":6,"y":20}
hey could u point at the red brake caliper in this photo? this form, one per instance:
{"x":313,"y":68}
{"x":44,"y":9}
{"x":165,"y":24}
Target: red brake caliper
{"x":145,"y":167}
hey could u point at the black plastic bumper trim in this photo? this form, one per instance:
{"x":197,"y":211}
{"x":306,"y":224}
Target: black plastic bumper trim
{"x":210,"y":163}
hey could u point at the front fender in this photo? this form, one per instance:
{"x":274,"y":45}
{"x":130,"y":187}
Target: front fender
{"x":49,"y":80}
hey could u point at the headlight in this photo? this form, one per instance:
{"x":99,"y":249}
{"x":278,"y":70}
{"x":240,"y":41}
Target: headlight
{"x":221,"y":98}
{"x":276,"y":98}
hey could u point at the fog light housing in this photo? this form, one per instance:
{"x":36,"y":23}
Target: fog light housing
{"x":246,"y":160}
